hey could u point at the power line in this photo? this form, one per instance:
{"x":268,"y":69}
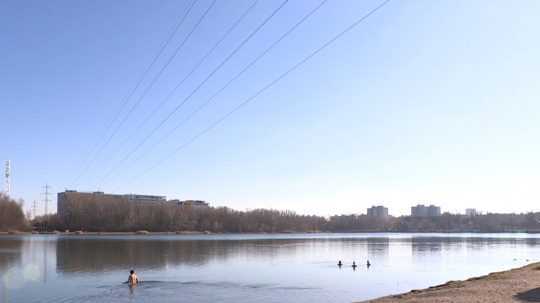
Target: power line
{"x":190,"y":73}
{"x":267,"y":86}
{"x":158,"y":75}
{"x":126,"y":99}
{"x":239,"y":74}
{"x":171,"y":58}
{"x":217,"y":68}
{"x":169,"y":61}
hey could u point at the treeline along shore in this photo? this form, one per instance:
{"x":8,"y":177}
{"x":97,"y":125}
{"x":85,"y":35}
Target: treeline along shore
{"x":11,"y":214}
{"x":122,"y":216}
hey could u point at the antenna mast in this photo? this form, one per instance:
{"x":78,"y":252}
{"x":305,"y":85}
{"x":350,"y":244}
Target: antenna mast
{"x":7,"y":175}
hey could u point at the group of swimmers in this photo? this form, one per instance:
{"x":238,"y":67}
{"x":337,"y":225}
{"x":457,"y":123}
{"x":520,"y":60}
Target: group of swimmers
{"x":354,"y":266}
{"x":134,"y":280}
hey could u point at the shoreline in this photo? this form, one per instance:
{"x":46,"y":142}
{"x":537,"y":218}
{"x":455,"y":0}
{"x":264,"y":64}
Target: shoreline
{"x":150,"y":233}
{"x":96,"y":233}
{"x":515,"y":285}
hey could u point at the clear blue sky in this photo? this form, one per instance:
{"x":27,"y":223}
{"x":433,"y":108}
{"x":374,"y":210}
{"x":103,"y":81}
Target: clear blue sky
{"x":426,"y":101}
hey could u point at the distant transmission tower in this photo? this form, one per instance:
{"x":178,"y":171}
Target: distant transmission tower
{"x":7,"y":175}
{"x":46,"y":199}
{"x":34,"y":209}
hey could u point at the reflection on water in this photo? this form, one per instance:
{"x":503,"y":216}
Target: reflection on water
{"x":23,"y":260}
{"x":378,"y":247}
{"x":421,"y":246}
{"x":96,"y":255}
{"x":10,"y":253}
{"x":246,"y":268}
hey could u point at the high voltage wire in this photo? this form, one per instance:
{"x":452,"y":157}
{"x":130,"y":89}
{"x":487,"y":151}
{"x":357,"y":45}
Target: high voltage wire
{"x":216,"y":69}
{"x":171,"y":58}
{"x":192,"y":71}
{"x":238,"y":75}
{"x":266,"y":87}
{"x":169,"y":61}
{"x":126,"y":99}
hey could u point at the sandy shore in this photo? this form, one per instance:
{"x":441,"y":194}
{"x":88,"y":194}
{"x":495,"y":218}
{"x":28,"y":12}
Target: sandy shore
{"x":516,"y":285}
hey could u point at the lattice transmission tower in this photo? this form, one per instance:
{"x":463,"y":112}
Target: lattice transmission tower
{"x":7,"y":175}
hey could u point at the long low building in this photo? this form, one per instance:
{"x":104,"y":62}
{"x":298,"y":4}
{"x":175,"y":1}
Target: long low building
{"x":69,"y":197}
{"x":198,"y":204}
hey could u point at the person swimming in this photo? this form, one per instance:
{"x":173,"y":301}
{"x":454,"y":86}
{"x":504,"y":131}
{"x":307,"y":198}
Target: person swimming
{"x":132,"y":279}
{"x":368,"y":264}
{"x":339,"y":263}
{"x":353,"y":265}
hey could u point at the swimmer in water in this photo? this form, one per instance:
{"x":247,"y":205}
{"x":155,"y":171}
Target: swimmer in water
{"x":354,"y":265}
{"x":339,"y":263}
{"x":132,"y":279}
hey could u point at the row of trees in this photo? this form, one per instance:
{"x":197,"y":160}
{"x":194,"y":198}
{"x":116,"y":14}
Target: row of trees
{"x":482,"y":223}
{"x":113,"y":214}
{"x":11,"y":214}
{"x":360,"y":223}
{"x":169,"y":217}
{"x":529,"y":222}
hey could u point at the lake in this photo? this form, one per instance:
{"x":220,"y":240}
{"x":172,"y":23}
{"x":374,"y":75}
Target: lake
{"x":247,"y":268}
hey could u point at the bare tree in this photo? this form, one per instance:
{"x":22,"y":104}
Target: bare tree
{"x":11,"y":214}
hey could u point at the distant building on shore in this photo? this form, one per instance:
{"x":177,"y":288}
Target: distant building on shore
{"x":471,"y":212}
{"x":144,"y":198}
{"x":377,"y":211}
{"x":421,"y":210}
{"x":70,"y":198}
{"x":195,"y":204}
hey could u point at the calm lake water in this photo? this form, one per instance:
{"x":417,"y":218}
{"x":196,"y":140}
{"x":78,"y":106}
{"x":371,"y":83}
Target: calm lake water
{"x":248,"y":268}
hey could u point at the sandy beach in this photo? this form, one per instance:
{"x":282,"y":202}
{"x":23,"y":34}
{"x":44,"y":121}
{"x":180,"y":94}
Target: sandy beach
{"x":516,"y":285}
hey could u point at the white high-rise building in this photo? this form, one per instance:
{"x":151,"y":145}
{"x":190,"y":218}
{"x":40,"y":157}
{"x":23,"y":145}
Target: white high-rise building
{"x":421,"y":210}
{"x":471,"y":212}
{"x":377,"y":211}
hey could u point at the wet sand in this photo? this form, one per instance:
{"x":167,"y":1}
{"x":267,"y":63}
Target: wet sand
{"x":516,"y":285}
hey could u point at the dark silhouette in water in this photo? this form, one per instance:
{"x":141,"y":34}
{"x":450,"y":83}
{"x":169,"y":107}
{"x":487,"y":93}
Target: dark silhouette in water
{"x":353,"y":265}
{"x":132,"y":279}
{"x":339,"y":263}
{"x":368,"y":264}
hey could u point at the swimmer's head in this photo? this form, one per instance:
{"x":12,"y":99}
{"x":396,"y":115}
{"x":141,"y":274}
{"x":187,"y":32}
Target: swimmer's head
{"x":132,"y":272}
